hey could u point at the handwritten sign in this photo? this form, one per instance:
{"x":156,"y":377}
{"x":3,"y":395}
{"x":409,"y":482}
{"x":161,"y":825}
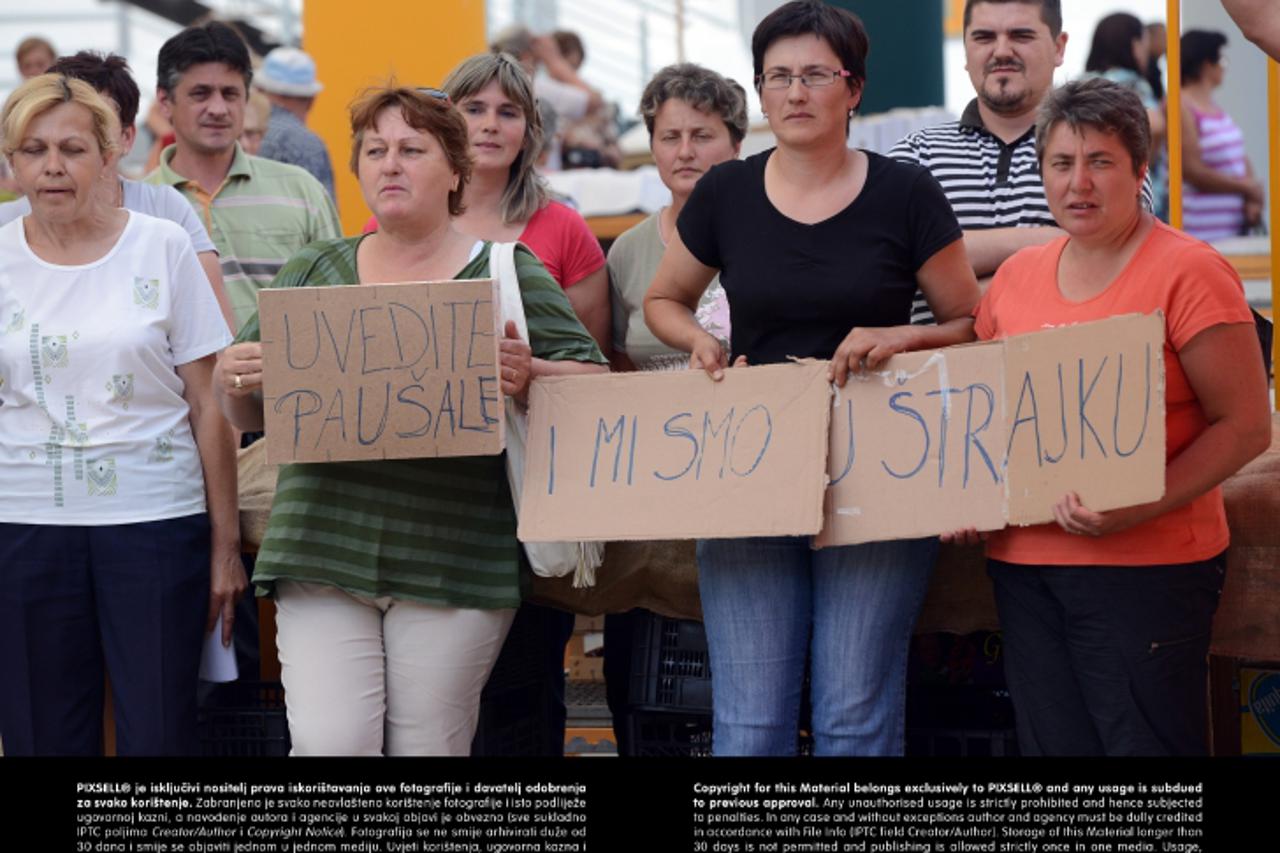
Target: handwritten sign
{"x":381,"y":371}
{"x":993,"y":434}
{"x":1085,"y":412}
{"x":917,"y":447}
{"x":677,"y":456}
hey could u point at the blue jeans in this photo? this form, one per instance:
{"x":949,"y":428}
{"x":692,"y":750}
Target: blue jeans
{"x":768,"y":603}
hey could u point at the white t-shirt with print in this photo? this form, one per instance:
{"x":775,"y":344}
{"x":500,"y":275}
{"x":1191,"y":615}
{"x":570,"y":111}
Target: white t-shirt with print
{"x":93,"y":426}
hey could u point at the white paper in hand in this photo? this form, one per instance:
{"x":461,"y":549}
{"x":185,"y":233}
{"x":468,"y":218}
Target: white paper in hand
{"x":217,"y":662}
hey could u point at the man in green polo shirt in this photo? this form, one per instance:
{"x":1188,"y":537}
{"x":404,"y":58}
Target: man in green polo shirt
{"x":258,"y":212}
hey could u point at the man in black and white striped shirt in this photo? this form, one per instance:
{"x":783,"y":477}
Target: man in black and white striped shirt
{"x":986,"y":162}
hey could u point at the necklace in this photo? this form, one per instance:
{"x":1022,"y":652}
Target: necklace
{"x":665,"y":228}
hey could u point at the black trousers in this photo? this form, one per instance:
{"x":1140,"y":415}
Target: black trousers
{"x":132,"y":597}
{"x":1109,"y":660}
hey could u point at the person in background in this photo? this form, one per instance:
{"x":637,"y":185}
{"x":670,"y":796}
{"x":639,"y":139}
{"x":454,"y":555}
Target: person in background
{"x":34,"y":55}
{"x":1107,"y":615}
{"x":820,"y":249}
{"x":257,"y":117}
{"x":109,"y":75}
{"x":1157,"y":46}
{"x":696,"y":119}
{"x":1220,"y":196}
{"x":388,"y":626}
{"x":119,"y":533}
{"x":1259,"y":20}
{"x":507,"y":200}
{"x":591,"y":142}
{"x":288,"y":77}
{"x":259,"y":212}
{"x":160,"y":131}
{"x":1119,"y":53}
{"x":555,"y":80}
{"x":571,"y":48}
{"x":986,"y":162}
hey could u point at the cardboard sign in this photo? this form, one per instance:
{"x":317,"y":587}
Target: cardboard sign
{"x":381,"y":371}
{"x":677,"y":456}
{"x":1085,"y":413}
{"x":917,"y":447}
{"x":991,"y":434}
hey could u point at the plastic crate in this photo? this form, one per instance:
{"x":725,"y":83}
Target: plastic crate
{"x":516,"y":722}
{"x":939,"y":743}
{"x":958,"y":708}
{"x":246,"y":718}
{"x":669,"y":735}
{"x":670,"y":667}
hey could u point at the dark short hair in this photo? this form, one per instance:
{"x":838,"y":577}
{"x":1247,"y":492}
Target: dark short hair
{"x":700,"y":88}
{"x":1113,"y":43}
{"x":109,"y":74}
{"x":840,"y":29}
{"x":210,"y":42}
{"x":1098,"y":103}
{"x":569,"y":42}
{"x":1050,"y":12}
{"x":422,"y":112}
{"x":1199,"y":47}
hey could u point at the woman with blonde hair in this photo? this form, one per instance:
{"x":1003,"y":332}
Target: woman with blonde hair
{"x":119,"y":536}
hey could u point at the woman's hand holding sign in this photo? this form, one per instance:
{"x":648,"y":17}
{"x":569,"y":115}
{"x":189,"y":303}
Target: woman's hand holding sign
{"x":515,"y":360}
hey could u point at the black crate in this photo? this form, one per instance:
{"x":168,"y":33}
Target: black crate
{"x":958,"y":707}
{"x":669,"y":735}
{"x":670,"y":667}
{"x":245,"y":718}
{"x":968,"y":743}
{"x":517,"y":722}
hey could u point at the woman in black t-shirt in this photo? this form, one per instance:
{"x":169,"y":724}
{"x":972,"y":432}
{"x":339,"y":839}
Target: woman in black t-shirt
{"x":820,"y":249}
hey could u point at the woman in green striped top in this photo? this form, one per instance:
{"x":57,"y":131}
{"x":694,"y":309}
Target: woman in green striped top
{"x":396,"y":580}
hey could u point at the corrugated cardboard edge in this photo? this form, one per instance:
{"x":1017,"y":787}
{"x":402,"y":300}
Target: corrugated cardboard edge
{"x":379,"y":293}
{"x":545,"y":387}
{"x":824,"y":538}
{"x":1154,"y":316}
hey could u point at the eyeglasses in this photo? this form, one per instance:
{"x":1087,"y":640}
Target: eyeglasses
{"x":439,"y":94}
{"x":812,"y":79}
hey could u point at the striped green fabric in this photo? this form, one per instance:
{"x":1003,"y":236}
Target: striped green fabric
{"x":437,"y":531}
{"x":263,"y":213}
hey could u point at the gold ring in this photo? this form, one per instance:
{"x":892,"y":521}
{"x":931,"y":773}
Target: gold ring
{"x":239,"y":385}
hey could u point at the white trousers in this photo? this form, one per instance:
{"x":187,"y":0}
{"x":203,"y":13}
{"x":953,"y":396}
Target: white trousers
{"x":381,"y":676}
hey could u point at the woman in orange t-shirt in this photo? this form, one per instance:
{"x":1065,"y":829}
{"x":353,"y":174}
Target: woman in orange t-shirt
{"x":1107,"y":615}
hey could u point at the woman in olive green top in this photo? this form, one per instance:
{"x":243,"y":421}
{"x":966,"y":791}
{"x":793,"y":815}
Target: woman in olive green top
{"x":696,"y":119}
{"x":396,"y":580}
